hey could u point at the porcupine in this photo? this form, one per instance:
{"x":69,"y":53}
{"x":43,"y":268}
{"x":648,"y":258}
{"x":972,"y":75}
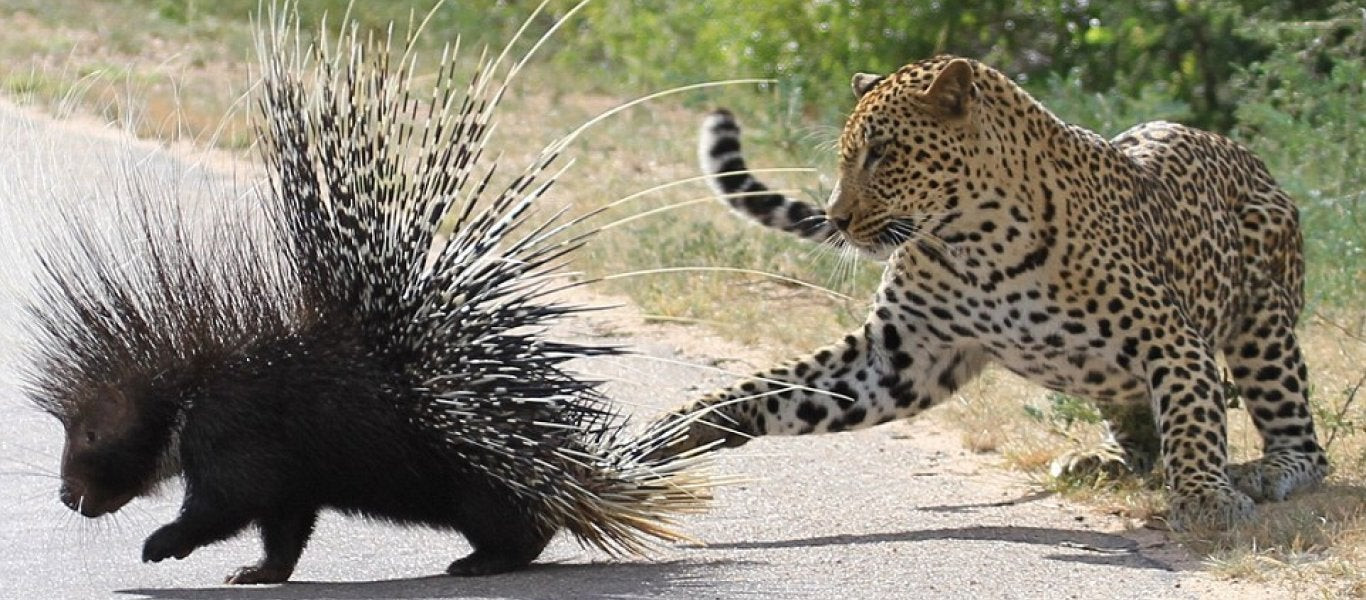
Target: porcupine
{"x":380,"y":350}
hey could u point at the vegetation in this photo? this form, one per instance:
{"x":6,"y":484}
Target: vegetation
{"x":1189,"y":50}
{"x":1284,"y":77}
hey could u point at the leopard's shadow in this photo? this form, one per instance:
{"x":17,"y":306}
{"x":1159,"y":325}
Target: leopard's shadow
{"x":684,"y":578}
{"x":1090,"y":547}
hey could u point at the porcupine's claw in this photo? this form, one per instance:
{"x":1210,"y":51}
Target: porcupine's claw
{"x":256,"y":574}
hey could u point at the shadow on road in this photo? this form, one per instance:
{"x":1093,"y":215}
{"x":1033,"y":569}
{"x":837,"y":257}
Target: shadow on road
{"x":1098,"y":548}
{"x":539,"y":581}
{"x":972,"y":508}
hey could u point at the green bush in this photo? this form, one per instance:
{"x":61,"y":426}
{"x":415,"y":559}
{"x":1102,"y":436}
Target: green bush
{"x":1109,"y":113}
{"x":477,"y":22}
{"x":1189,"y":49}
{"x":1303,"y":110}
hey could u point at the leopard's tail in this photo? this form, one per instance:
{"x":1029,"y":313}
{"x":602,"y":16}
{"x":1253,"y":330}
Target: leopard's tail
{"x":718,"y":153}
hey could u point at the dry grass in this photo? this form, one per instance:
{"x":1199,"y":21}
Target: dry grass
{"x":121,"y":66}
{"x":1316,"y":540}
{"x":175,"y":83}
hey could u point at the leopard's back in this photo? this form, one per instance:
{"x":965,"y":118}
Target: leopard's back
{"x":1226,"y":213}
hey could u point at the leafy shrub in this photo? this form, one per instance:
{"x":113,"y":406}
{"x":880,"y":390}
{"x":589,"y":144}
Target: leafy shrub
{"x":1303,"y":110}
{"x":1189,"y":50}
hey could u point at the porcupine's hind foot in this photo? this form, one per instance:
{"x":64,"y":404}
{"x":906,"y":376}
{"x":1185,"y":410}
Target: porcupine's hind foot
{"x":504,"y":539}
{"x":509,"y":552}
{"x":486,"y":562}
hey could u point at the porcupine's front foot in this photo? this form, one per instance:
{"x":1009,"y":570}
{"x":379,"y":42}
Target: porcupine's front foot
{"x":200,"y":523}
{"x":260,"y":574}
{"x":170,"y":541}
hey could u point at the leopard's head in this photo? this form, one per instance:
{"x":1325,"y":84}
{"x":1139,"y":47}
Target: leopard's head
{"x":905,"y":154}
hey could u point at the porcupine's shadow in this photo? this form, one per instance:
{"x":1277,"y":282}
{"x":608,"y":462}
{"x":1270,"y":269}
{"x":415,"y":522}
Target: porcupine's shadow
{"x":680,"y":578}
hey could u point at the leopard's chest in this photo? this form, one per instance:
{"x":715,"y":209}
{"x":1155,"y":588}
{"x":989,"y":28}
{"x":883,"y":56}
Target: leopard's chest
{"x":1076,"y":347}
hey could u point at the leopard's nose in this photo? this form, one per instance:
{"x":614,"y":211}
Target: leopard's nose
{"x":841,"y":223}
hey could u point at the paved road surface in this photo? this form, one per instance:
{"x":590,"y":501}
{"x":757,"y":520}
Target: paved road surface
{"x":893,"y":512}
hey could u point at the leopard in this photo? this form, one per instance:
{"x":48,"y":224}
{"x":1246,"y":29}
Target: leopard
{"x":1128,"y":444}
{"x":1116,"y":270}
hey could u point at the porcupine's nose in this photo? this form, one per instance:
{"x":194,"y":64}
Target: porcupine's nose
{"x":71,"y":493}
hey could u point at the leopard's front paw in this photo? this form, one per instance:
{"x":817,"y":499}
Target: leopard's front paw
{"x":1278,"y":474}
{"x":695,"y":425}
{"x":1219,"y":507}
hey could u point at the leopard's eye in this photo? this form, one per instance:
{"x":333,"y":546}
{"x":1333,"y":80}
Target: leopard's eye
{"x":876,"y":150}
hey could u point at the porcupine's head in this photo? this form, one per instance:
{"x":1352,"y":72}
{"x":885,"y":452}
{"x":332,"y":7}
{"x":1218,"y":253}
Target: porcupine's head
{"x":126,"y":306}
{"x":118,"y":439}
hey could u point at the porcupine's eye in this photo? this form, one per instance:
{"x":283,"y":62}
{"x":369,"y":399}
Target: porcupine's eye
{"x":90,"y":436}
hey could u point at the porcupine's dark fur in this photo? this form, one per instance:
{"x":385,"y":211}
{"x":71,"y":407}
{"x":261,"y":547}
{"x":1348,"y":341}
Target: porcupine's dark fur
{"x":350,"y":358}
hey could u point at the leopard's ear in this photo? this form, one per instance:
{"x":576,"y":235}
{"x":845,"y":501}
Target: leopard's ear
{"x":863,"y":82}
{"x":951,"y":89}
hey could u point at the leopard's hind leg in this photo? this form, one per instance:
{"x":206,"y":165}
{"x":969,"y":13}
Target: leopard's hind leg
{"x":1269,"y":371}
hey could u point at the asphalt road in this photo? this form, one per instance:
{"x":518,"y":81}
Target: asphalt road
{"x":892,"y":512}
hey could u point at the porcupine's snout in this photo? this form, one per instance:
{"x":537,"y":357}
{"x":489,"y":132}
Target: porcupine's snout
{"x":89,"y":500}
{"x":73,"y":496}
